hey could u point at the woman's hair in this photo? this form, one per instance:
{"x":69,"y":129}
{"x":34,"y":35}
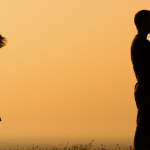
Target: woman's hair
{"x":2,"y":41}
{"x":140,"y":16}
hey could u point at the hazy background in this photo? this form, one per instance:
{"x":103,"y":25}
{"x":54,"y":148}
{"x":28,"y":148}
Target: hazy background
{"x":66,"y":70}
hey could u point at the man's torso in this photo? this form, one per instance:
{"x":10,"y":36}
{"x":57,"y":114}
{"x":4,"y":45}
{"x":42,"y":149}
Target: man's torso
{"x":140,"y":57}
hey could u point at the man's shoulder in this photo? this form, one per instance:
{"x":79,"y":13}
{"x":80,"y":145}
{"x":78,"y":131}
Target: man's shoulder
{"x":138,"y":39}
{"x":139,"y":42}
{"x":140,"y":49}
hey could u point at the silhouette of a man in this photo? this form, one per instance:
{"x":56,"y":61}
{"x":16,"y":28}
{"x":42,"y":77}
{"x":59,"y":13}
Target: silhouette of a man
{"x":140,"y":57}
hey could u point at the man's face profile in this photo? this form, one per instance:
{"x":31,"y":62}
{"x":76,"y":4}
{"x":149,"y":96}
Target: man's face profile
{"x":146,"y":25}
{"x":148,"y":22}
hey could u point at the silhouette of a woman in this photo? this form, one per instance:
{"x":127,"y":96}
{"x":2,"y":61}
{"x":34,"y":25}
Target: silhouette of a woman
{"x":2,"y":44}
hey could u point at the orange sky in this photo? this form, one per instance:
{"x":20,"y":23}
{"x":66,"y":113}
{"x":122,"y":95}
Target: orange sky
{"x":66,"y":69}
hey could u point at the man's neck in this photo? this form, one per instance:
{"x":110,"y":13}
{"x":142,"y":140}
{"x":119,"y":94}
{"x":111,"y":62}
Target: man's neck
{"x":143,"y":34}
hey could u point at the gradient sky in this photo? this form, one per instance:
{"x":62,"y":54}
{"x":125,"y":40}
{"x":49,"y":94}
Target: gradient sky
{"x":66,"y":69}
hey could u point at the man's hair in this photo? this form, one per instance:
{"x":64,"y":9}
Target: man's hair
{"x":140,"y":16}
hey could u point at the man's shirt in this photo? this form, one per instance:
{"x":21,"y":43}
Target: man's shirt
{"x":140,"y":57}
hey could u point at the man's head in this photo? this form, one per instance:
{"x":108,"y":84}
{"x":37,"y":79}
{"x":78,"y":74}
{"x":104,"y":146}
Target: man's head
{"x":142,"y":20}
